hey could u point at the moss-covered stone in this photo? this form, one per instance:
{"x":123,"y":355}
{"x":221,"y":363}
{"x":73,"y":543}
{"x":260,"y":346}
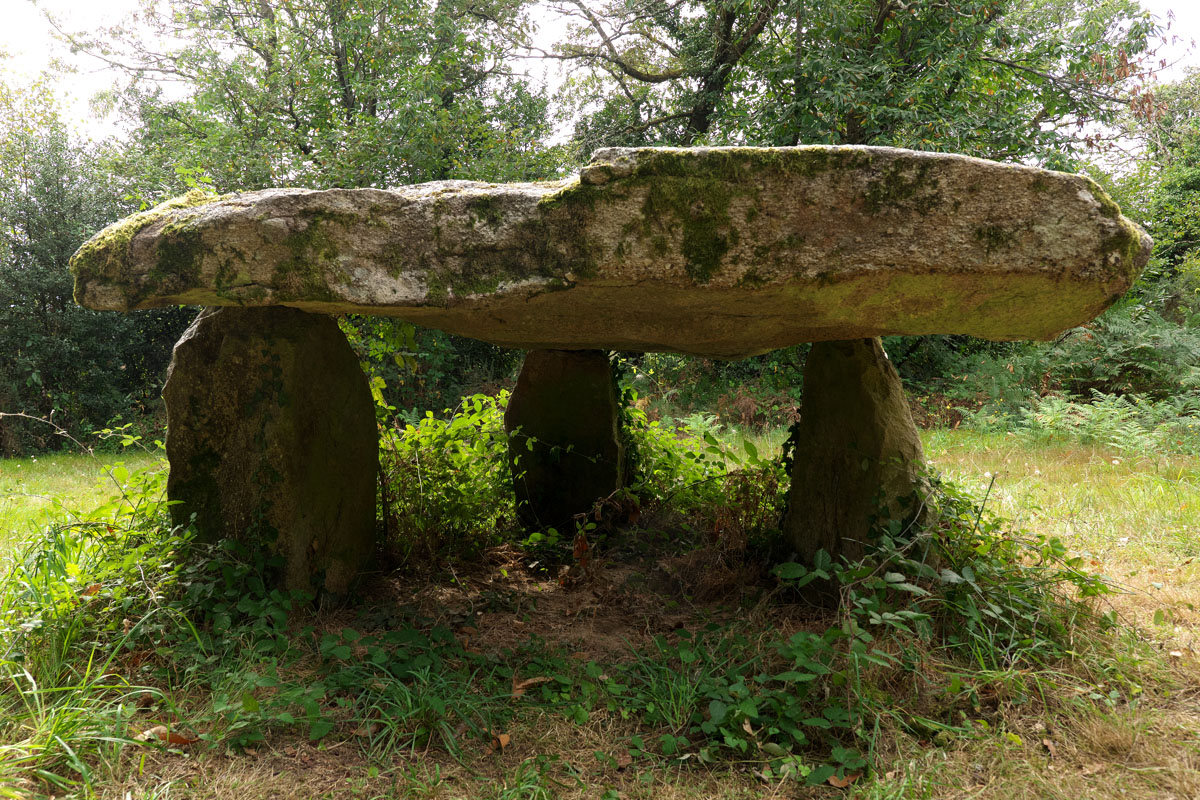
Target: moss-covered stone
{"x":902,"y":186}
{"x":106,"y":255}
{"x":995,"y":238}
{"x":564,"y":447}
{"x":313,"y":264}
{"x":858,"y":461}
{"x":716,"y":251}
{"x":271,"y":441}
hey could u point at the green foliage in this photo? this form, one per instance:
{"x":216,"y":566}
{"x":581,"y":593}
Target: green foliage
{"x":121,"y":622}
{"x":447,"y":486}
{"x":324,"y":94}
{"x":996,"y":78}
{"x":1132,"y":349}
{"x":680,"y":466}
{"x":70,"y":606}
{"x":760,"y":393}
{"x":421,"y":369}
{"x":1129,"y":423}
{"x":82,"y":368}
{"x":1128,"y":380}
{"x":997,"y":596}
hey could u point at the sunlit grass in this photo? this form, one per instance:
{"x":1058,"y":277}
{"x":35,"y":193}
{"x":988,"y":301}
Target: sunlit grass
{"x":1146,"y":509}
{"x":1132,"y":518}
{"x":39,"y":489}
{"x":1135,"y":519}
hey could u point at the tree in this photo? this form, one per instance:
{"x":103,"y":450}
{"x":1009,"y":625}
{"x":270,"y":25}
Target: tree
{"x":328,"y":93}
{"x":1171,"y":142}
{"x":81,"y":368}
{"x":1003,"y":79}
{"x":331,"y":93}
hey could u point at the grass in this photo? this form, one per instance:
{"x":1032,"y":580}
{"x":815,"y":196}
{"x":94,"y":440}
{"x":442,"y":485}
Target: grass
{"x":1134,"y":518}
{"x":422,"y":713}
{"x":1098,"y":500}
{"x":39,"y":489}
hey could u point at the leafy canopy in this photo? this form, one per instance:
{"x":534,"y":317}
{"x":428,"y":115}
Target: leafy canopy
{"x":80,"y":367}
{"x":328,"y":93}
{"x":1004,"y":79}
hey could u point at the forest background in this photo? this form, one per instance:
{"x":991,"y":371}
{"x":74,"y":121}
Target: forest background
{"x":232,"y":95}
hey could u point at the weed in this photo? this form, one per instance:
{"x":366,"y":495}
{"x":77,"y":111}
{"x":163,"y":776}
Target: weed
{"x":447,"y":486}
{"x":118,"y":622}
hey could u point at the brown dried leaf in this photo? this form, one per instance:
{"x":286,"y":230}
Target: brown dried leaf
{"x":842,"y":783}
{"x":160,"y":733}
{"x":519,"y":687}
{"x":157,"y":733}
{"x":581,"y":549}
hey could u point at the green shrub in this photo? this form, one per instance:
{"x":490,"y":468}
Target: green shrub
{"x":762,"y":390}
{"x":447,"y":486}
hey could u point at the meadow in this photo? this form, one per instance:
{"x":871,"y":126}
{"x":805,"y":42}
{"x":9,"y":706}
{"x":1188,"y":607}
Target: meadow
{"x":675,"y":664}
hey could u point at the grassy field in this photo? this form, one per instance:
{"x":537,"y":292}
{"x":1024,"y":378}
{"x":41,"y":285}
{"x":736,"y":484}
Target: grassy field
{"x":1120,"y":718}
{"x":36,"y":490}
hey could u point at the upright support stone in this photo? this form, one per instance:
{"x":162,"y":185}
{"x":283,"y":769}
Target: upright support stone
{"x":858,"y":455}
{"x":271,"y":439}
{"x":565,"y":449}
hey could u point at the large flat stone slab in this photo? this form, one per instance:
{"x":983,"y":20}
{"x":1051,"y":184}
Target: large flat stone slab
{"x":723,"y":252}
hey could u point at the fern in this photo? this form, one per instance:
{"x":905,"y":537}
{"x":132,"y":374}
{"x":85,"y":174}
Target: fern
{"x":1131,"y":424}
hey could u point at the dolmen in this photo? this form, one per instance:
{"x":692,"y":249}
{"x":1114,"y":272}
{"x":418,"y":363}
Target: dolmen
{"x":717,"y":252}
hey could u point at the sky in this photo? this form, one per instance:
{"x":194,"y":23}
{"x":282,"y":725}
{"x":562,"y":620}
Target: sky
{"x":28,"y":39}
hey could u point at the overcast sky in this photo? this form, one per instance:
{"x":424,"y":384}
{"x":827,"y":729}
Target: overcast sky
{"x":26,"y":37}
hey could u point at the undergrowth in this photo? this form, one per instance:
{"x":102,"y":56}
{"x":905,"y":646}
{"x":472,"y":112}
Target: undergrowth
{"x":447,"y":487}
{"x":118,"y":623}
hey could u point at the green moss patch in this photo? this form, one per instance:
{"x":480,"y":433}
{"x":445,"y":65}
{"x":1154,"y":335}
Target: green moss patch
{"x":903,"y":186}
{"x":995,"y":238}
{"x":106,"y":255}
{"x":305,"y":275}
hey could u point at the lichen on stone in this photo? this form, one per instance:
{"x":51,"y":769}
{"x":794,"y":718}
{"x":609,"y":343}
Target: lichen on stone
{"x":105,"y":254}
{"x":313,"y":263}
{"x":995,"y":238}
{"x":900,"y":186}
{"x":722,"y":252}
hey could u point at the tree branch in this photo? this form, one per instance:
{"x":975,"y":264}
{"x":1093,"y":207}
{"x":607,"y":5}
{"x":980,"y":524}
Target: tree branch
{"x":614,"y":57}
{"x":1058,"y":80}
